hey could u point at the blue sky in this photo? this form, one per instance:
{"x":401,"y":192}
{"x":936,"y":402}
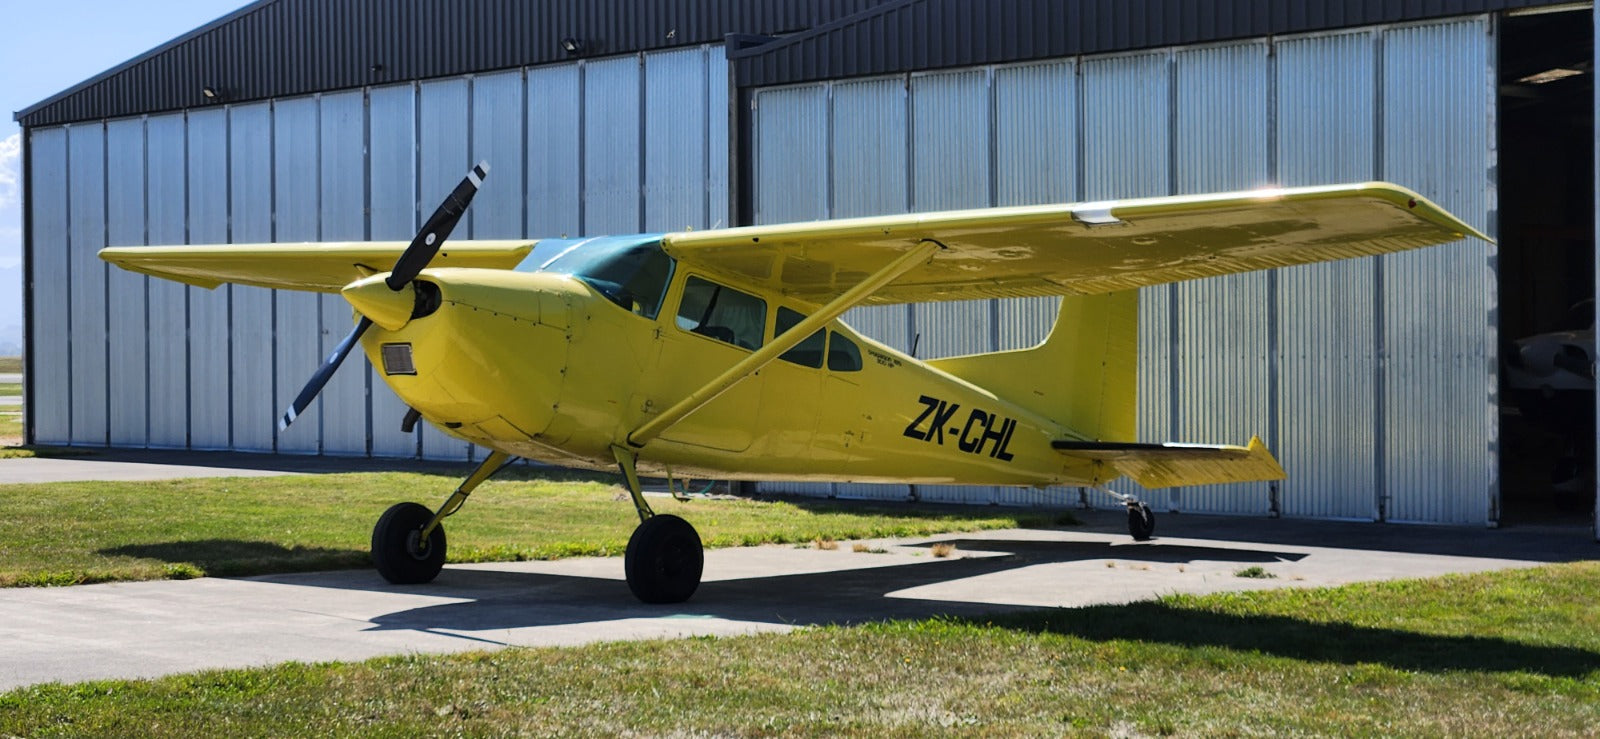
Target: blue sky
{"x":51,"y":45}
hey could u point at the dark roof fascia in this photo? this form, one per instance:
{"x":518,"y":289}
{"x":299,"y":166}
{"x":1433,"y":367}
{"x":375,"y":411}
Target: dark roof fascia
{"x":140,"y":59}
{"x":1099,"y":27}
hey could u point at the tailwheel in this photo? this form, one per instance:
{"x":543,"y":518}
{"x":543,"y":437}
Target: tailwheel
{"x":1141,"y":521}
{"x":398,"y":550}
{"x":664,"y":560}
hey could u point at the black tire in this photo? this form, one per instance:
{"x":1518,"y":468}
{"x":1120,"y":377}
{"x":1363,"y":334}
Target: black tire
{"x":664,"y":560}
{"x":1141,"y":522}
{"x":394,"y":545}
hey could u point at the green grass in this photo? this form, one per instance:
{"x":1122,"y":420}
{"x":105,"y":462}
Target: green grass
{"x":10,"y":364}
{"x":101,"y":531}
{"x":1513,"y":653}
{"x":12,"y":389}
{"x":10,"y":428}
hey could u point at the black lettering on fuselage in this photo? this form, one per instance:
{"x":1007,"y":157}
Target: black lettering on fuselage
{"x":940,"y":418}
{"x":929,"y":406}
{"x":974,"y":436}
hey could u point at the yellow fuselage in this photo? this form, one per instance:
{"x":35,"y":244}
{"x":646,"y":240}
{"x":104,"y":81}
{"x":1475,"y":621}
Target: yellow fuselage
{"x":540,"y":365}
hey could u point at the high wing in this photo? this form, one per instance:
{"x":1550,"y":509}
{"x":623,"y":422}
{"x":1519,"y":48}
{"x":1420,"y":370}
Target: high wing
{"x":1076,"y":249}
{"x":323,"y":267}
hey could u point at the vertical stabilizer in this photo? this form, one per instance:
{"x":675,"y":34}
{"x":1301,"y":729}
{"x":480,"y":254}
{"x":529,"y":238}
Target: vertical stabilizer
{"x":1084,"y":376}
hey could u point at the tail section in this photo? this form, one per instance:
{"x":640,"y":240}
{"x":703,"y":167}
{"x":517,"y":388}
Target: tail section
{"x":1084,"y":376}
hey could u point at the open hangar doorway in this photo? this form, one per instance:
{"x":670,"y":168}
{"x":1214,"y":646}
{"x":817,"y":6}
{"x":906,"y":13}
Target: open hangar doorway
{"x":1546,"y":267}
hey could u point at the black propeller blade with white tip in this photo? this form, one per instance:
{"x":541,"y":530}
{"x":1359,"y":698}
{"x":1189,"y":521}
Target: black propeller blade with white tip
{"x":411,"y":263}
{"x":436,"y":230}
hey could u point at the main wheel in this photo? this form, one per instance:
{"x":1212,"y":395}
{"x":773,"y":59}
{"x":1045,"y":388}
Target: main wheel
{"x":396,"y":545}
{"x":664,"y":560}
{"x":1141,"y":522}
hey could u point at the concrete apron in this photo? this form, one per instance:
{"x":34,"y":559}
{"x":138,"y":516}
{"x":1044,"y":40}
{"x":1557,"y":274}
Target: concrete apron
{"x":137,"y":630}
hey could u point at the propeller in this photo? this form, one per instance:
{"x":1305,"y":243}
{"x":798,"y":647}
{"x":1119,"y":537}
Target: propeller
{"x":412,"y":261}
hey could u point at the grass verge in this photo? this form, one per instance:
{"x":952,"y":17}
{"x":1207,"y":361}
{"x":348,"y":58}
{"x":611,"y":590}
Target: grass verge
{"x":10,"y":389}
{"x":10,"y":364}
{"x":101,"y":531}
{"x":1495,"y":654}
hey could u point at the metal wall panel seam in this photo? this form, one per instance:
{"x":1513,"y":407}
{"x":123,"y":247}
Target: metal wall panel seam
{"x":526,"y":177}
{"x":705,"y":133}
{"x":105,"y":222}
{"x":641,"y":166}
{"x":66,"y":173}
{"x":366,"y":229}
{"x":416,"y":204}
{"x":583,"y":147}
{"x":321,"y":402}
{"x":144,"y":173}
{"x":1274,"y":349}
{"x":1491,"y":286}
{"x":472,"y":222}
{"x":188,"y":354}
{"x":227,"y":145}
{"x":1174,"y":299}
{"x":1380,"y":455}
{"x":272,"y":199}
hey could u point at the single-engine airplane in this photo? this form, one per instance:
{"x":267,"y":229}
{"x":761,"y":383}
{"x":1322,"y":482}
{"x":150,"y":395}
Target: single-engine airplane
{"x":721,"y":353}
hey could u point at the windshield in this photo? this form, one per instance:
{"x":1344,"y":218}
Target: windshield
{"x":631,"y":274}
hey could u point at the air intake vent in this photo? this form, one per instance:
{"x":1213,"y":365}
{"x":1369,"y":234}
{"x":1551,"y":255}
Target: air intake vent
{"x":397,"y":360}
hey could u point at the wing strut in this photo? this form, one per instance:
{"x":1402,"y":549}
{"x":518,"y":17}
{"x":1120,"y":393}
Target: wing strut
{"x":917,"y":256}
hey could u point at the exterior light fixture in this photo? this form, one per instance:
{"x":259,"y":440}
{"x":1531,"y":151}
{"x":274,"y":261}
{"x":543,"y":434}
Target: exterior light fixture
{"x":573,"y":46}
{"x":210,"y":92}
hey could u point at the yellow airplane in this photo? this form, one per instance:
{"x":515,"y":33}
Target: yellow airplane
{"x":721,"y":353}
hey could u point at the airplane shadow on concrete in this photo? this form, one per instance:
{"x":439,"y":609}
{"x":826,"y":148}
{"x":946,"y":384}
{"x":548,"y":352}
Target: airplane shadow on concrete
{"x":499,"y":600}
{"x":227,"y":557}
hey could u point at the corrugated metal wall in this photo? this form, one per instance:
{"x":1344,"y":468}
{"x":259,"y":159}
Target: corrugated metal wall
{"x":140,"y":362}
{"x":1373,"y":380}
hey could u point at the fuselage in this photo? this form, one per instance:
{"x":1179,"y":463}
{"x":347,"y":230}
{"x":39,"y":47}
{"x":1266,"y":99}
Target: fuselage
{"x":562,"y":358}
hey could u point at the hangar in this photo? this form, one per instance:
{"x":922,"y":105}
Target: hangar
{"x":1377,"y":382}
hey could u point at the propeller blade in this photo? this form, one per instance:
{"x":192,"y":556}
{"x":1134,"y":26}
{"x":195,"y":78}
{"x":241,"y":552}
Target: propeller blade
{"x":323,"y":374}
{"x":436,"y":229}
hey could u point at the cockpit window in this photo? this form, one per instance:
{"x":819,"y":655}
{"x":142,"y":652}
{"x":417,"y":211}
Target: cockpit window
{"x":722,"y":313}
{"x":807,"y":353}
{"x":632,"y":275}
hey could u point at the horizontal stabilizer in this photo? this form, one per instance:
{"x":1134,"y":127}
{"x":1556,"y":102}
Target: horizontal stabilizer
{"x":1170,"y":465}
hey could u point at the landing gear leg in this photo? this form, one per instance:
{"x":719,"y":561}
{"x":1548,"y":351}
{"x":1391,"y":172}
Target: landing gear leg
{"x":1141,"y":520}
{"x":664,"y":558}
{"x":408,"y":544}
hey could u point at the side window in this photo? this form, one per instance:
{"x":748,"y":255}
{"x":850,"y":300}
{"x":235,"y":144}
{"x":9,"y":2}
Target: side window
{"x":843,"y":354}
{"x":807,"y":353}
{"x":722,"y":313}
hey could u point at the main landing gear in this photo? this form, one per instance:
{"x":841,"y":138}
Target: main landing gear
{"x":1141,"y":520}
{"x":663,"y":562}
{"x":664,"y":558}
